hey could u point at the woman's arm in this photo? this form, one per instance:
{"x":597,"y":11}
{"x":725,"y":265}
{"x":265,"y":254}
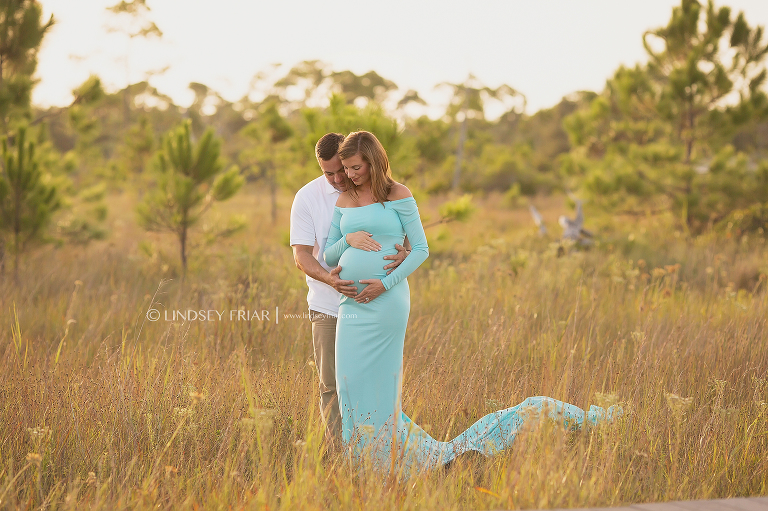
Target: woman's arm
{"x":409,"y":217}
{"x":336,"y":244}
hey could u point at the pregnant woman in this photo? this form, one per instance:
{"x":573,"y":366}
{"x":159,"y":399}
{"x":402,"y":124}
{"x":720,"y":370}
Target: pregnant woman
{"x":373,"y":215}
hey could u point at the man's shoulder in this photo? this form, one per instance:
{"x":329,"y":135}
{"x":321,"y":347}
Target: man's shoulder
{"x":310,"y":194}
{"x":312,"y":188}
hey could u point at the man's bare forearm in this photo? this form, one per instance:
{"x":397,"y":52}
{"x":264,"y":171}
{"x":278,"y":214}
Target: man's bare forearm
{"x":311,"y":266}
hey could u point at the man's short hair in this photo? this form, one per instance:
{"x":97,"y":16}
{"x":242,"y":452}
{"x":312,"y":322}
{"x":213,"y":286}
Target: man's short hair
{"x":328,"y":145}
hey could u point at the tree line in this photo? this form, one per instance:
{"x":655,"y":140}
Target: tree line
{"x":686,"y":132}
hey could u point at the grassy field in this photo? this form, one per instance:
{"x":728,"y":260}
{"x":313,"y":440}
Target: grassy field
{"x":102,"y":408}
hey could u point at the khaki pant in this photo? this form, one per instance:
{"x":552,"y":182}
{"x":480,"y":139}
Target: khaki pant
{"x":324,"y":342}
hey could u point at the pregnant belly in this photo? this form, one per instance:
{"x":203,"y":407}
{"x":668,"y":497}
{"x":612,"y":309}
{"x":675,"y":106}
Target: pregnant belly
{"x":358,"y":264}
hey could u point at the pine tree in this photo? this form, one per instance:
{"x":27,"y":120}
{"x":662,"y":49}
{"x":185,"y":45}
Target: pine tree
{"x":27,"y":200}
{"x":87,"y":154}
{"x":21,"y":32}
{"x":469,"y":100}
{"x":190,"y":178}
{"x":81,"y":171}
{"x":269,"y":150}
{"x":657,"y":139}
{"x":700,"y":65}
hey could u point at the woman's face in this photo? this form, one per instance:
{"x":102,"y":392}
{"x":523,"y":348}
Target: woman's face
{"x":357,"y":169}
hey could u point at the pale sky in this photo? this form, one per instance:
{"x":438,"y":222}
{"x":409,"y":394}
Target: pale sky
{"x":544,"y":48}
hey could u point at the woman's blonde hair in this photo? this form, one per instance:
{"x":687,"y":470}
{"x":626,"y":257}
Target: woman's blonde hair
{"x":371,"y":151}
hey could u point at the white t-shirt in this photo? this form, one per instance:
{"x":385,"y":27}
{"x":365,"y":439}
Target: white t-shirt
{"x":311,"y":215}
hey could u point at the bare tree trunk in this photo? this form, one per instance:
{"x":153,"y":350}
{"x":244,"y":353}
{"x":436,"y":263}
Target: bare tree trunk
{"x":271,"y":169}
{"x":689,"y":142}
{"x":2,"y":168}
{"x":273,"y":197}
{"x":16,"y":231}
{"x":460,"y":154}
{"x":183,"y":249}
{"x":17,"y":251}
{"x":2,"y":118}
{"x":688,"y":154}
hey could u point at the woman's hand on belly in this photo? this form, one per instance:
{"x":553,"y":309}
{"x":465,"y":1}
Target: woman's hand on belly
{"x":373,"y":289}
{"x":363,"y":241}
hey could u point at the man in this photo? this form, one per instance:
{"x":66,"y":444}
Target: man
{"x":311,"y":215}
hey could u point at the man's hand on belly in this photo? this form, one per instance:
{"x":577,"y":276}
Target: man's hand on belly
{"x":398,"y":258}
{"x":344,"y":287}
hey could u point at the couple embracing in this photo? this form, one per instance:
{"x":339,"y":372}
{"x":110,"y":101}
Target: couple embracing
{"x":349,"y":231}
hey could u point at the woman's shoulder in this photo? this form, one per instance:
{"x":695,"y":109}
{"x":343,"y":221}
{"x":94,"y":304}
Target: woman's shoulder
{"x":398,"y":191}
{"x":344,"y":201}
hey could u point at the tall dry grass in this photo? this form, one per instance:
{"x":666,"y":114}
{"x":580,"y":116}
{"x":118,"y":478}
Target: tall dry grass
{"x":106,"y":409}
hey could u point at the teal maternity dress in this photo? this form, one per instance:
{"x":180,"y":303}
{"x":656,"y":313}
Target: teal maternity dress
{"x":369,"y":352}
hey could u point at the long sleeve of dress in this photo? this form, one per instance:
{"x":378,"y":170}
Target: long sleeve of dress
{"x":409,"y":217}
{"x":336,"y":243}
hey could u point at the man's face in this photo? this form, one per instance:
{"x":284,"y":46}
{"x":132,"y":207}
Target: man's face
{"x":333,"y":171}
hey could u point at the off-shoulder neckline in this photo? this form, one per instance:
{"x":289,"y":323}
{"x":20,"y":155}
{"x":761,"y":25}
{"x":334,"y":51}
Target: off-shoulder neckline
{"x":371,"y":204}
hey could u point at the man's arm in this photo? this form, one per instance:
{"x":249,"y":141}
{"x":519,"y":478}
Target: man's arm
{"x":306,"y":262}
{"x":402,"y":253}
{"x":302,"y":242}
